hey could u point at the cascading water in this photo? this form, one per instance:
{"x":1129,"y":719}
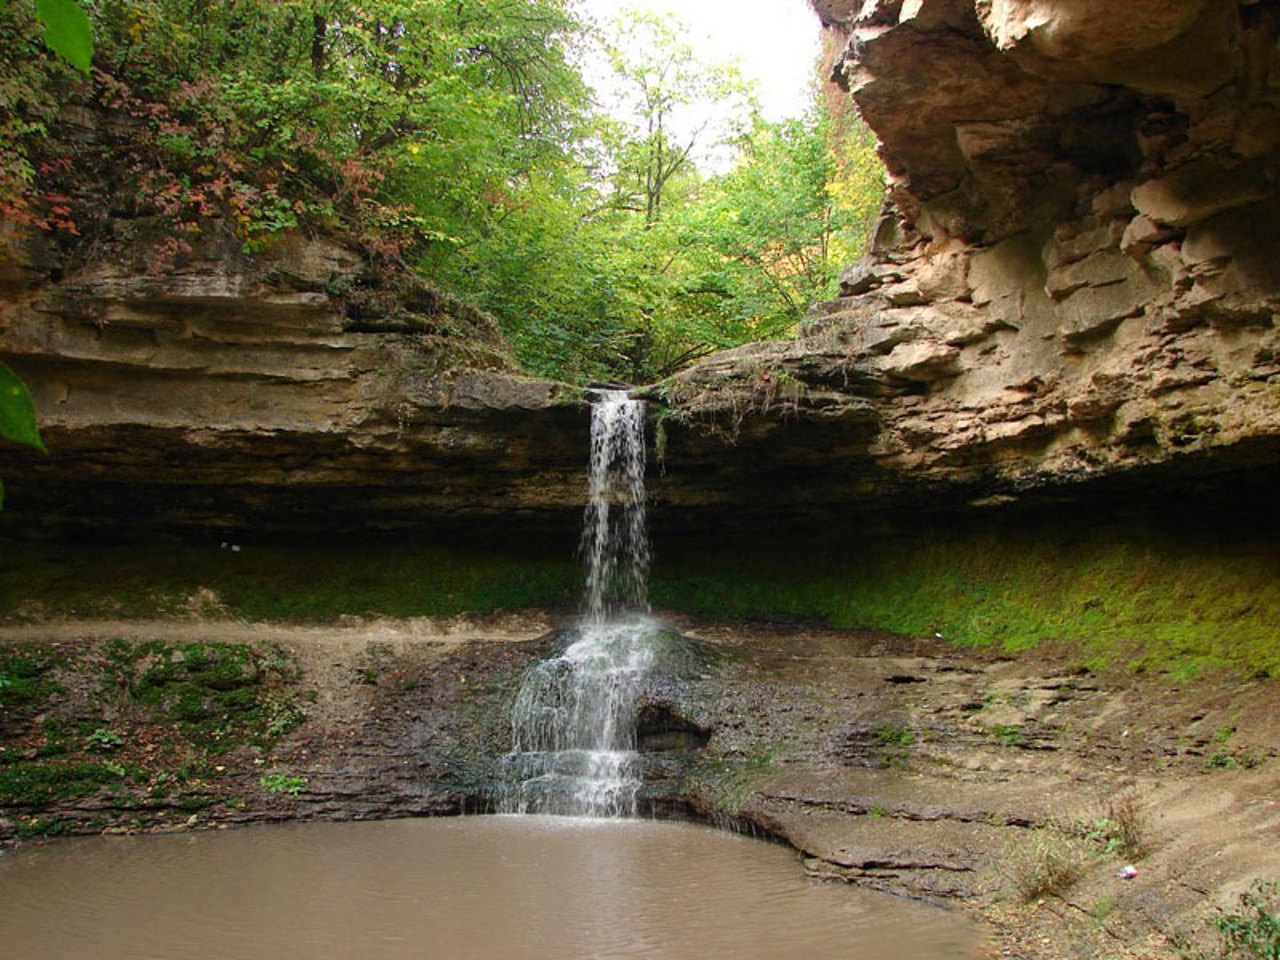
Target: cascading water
{"x":574,"y":719}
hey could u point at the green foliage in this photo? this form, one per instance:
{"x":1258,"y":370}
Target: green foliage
{"x":1253,"y":931}
{"x":283,"y":783}
{"x":1224,"y":757}
{"x":29,"y":828}
{"x":282,"y":713}
{"x":104,"y":740}
{"x":67,"y":31}
{"x":219,"y":695}
{"x":36,"y":782}
{"x":641,"y":261}
{"x":895,"y":743}
{"x":1121,"y":831}
{"x":455,"y":136}
{"x":17,"y":414}
{"x":24,"y":677}
{"x":658,"y":79}
{"x":175,"y":709}
{"x":392,"y":121}
{"x":1010,"y":734}
{"x":889,"y":735}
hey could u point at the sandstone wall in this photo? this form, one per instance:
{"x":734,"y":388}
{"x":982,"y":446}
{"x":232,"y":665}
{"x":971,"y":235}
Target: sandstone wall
{"x":1073,"y":288}
{"x":1076,"y":275}
{"x":288,"y":392}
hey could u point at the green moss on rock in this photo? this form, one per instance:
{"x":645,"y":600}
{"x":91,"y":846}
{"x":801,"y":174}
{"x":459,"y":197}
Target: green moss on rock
{"x":1147,"y":600}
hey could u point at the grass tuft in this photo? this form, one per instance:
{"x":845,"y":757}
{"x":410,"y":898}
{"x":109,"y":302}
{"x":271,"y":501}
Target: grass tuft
{"x":1042,"y":862}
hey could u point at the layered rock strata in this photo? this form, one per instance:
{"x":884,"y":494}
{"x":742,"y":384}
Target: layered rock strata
{"x":289,"y":392}
{"x":1076,"y":275}
{"x":888,"y":762}
{"x":1075,"y":280}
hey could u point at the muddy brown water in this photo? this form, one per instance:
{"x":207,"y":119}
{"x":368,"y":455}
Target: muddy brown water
{"x":488,"y":888}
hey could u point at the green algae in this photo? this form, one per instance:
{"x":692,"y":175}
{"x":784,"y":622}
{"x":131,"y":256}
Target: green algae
{"x":278,"y":583}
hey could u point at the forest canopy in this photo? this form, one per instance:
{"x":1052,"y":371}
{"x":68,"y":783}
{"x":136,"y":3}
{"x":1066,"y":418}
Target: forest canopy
{"x":459,"y":139}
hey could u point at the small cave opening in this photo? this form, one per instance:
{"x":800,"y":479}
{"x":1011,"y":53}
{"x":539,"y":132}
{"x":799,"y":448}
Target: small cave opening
{"x":660,"y":727}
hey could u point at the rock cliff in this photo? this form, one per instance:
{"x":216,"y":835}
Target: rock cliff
{"x":1075,"y":277}
{"x":296,"y":391}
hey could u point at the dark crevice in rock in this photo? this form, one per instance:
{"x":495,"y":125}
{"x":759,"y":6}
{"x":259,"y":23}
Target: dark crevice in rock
{"x":661,"y":727}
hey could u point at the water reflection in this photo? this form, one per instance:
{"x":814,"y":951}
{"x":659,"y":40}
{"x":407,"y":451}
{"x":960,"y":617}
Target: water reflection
{"x":482,"y":888}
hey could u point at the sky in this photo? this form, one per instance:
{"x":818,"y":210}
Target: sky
{"x":773,"y":41}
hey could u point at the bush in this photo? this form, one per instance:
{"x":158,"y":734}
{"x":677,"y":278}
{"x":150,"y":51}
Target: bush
{"x":1122,"y":830}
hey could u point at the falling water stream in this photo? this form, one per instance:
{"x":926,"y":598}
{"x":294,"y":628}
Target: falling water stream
{"x":573,"y":722}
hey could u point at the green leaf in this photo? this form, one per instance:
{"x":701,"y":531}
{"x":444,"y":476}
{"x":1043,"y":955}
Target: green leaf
{"x":17,"y":413}
{"x":67,"y":31}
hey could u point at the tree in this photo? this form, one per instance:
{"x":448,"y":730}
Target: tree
{"x":66,"y":32}
{"x":777,"y":229}
{"x":632,"y":261}
{"x":320,"y":113}
{"x":455,"y":137}
{"x":657,"y":81}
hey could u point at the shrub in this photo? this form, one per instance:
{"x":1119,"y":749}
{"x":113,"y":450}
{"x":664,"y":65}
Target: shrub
{"x":1122,"y":830}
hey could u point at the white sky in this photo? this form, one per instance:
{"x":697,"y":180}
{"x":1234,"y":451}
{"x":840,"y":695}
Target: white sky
{"x":773,"y":41}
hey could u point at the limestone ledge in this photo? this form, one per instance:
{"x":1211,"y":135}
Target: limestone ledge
{"x":289,"y":391}
{"x":1076,"y":279}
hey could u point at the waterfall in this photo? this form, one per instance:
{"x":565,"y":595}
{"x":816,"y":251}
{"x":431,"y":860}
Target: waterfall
{"x":573,"y":721}
{"x":615,"y":538}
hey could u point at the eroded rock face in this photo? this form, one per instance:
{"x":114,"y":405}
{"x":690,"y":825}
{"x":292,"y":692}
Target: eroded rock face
{"x":1076,"y":278}
{"x":291,"y":392}
{"x":1077,"y":274}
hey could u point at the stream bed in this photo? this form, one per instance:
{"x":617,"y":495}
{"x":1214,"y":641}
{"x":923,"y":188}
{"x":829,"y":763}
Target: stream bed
{"x":474,"y":888}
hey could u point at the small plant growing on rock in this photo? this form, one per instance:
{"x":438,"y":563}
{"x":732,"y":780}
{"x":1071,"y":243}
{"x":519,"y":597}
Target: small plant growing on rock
{"x":104,"y":740}
{"x":1121,"y":831}
{"x":282,"y":783}
{"x":282,"y":713}
{"x":1128,"y":816}
{"x":1010,"y":734}
{"x":895,"y":744}
{"x":1223,"y":757}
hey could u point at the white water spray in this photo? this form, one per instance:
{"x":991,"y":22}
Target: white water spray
{"x":573,"y":722}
